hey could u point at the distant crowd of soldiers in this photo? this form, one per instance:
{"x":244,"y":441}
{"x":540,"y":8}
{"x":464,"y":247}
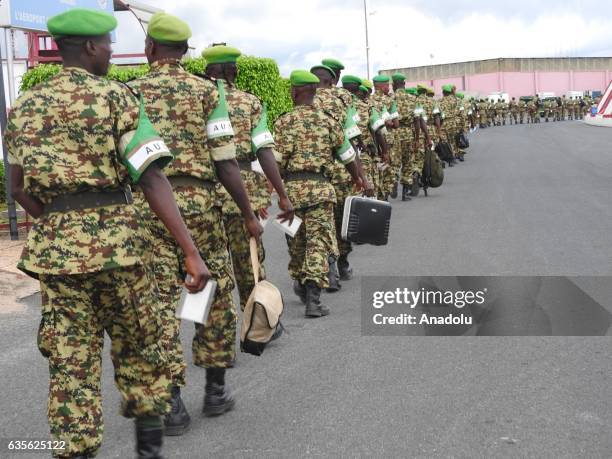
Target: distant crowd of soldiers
{"x":141,"y":191}
{"x":527,"y":110}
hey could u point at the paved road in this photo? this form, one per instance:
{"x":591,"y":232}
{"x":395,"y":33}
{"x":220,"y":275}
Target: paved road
{"x":529,"y":200}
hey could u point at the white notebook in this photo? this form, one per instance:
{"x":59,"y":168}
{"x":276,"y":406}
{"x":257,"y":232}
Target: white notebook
{"x":292,"y":229}
{"x":196,"y":306}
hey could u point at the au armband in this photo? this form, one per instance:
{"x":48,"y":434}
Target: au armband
{"x":261,"y":136}
{"x":351,"y":130}
{"x":346,"y":153}
{"x":143,"y":147}
{"x":376,"y":122}
{"x":219,"y":124}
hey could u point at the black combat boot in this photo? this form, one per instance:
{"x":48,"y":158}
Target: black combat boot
{"x":394,"y":191}
{"x":314,"y":308}
{"x":332,"y":276}
{"x":217,"y":397}
{"x":416,"y":188}
{"x":406,"y":192}
{"x":344,"y":269}
{"x":299,"y":290}
{"x":149,"y":437}
{"x":177,"y":421}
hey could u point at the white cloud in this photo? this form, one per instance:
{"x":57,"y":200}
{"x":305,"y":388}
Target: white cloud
{"x":299,"y":34}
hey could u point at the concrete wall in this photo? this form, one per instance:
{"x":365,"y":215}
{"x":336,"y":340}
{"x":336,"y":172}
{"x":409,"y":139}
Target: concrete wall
{"x":517,"y":77}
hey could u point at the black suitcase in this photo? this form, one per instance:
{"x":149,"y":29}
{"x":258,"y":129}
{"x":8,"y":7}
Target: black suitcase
{"x":366,"y":221}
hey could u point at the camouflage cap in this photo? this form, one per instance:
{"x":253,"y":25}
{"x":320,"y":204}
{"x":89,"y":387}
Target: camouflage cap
{"x":221,"y":54}
{"x":83,"y":22}
{"x":168,"y":29}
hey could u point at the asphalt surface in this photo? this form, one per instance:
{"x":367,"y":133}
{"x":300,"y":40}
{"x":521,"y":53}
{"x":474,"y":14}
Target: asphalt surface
{"x":528,"y":200}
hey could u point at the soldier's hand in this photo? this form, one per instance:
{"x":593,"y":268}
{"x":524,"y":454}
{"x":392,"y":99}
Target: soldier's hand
{"x":197,"y":273}
{"x":263,"y":213}
{"x":386,"y":159}
{"x":254,"y":227}
{"x":288,"y":212}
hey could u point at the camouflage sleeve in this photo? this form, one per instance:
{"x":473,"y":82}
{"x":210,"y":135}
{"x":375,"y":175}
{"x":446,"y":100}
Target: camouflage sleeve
{"x":284,"y":142}
{"x":10,"y":139}
{"x":219,"y":130}
{"x":139,"y":143}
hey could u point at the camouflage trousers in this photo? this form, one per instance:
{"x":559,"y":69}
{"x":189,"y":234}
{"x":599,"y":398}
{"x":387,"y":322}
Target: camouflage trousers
{"x":370,"y":169}
{"x":343,"y":191}
{"x":391,"y":173}
{"x":76,"y":311}
{"x":314,"y":242}
{"x":238,"y":237}
{"x":214,"y":343}
{"x":406,"y":147}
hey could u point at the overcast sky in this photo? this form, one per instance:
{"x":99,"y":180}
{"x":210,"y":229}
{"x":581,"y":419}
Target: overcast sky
{"x":403,"y":33}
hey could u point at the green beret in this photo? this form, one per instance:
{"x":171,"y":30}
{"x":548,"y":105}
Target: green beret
{"x":333,"y":64}
{"x":347,"y":79}
{"x":221,"y":54}
{"x":324,"y":67}
{"x":364,"y":89}
{"x":447,"y":88}
{"x":421,"y":89}
{"x":167,"y":29}
{"x":430,"y":91}
{"x":81,"y":22}
{"x":399,"y":77}
{"x":412,"y":91}
{"x":367,"y":83}
{"x":302,"y":78}
{"x":381,"y":79}
{"x":460,"y":95}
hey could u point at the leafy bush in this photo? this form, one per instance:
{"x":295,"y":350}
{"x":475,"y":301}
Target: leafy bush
{"x":259,"y":76}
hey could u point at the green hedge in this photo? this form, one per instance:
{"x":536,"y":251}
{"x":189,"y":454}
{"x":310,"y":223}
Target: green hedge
{"x":259,"y":76}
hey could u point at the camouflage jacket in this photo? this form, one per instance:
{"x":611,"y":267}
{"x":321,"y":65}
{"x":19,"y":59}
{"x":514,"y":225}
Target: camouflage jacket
{"x":245,"y":112}
{"x":307,"y":140}
{"x":65,"y":134}
{"x":406,"y":105}
{"x":335,"y":103}
{"x":180,"y":106}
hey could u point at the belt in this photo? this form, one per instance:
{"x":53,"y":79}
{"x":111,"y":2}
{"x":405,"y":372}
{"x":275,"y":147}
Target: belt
{"x":292,"y":176}
{"x":245,"y":165}
{"x":89,"y":200}
{"x":179,"y":181}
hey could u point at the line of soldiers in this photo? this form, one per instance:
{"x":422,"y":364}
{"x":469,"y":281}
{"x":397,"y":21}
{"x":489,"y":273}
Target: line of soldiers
{"x":141,"y":190}
{"x":530,"y":110}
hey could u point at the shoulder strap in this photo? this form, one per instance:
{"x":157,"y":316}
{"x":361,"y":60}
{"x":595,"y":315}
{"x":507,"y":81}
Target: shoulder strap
{"x":254,"y":259}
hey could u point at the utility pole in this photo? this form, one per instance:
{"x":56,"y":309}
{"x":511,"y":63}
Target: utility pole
{"x":365,"y":13}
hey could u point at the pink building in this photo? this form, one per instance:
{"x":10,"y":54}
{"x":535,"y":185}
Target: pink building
{"x":517,"y":77}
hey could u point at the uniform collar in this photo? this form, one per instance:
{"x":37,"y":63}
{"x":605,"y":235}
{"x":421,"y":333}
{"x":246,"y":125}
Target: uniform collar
{"x":165,"y":63}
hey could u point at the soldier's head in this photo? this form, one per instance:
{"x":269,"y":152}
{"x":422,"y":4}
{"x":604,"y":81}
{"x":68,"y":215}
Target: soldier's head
{"x":351,"y":83}
{"x":83,"y":38}
{"x":167,"y":38}
{"x":381,"y":83}
{"x":325,"y":74}
{"x":447,"y":90}
{"x":399,"y":81}
{"x":221,"y":62}
{"x":303,"y":87}
{"x":363,"y":92}
{"x":336,"y":66}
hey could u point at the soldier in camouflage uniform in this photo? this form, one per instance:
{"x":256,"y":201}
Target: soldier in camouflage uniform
{"x":75,"y":142}
{"x":254,"y":142}
{"x":407,"y":130}
{"x":336,"y":101}
{"x":191,"y":115}
{"x":514,"y":110}
{"x":308,"y":140}
{"x":335,"y":104}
